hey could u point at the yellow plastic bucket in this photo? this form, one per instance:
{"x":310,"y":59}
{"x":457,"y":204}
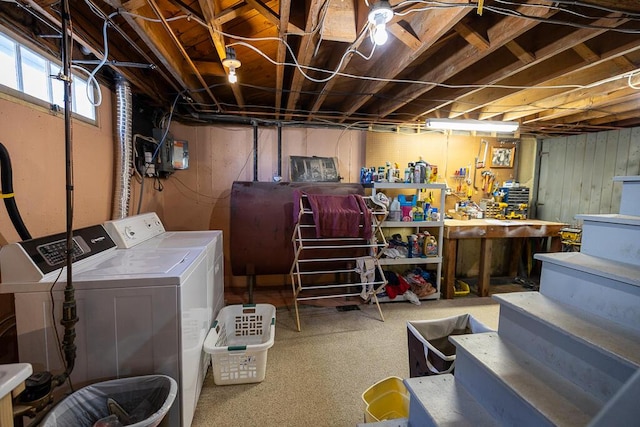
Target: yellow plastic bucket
{"x":387,"y":399}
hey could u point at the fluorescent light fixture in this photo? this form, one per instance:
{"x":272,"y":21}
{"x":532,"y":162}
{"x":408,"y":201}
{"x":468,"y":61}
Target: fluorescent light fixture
{"x":379,"y":15}
{"x":471,"y":125}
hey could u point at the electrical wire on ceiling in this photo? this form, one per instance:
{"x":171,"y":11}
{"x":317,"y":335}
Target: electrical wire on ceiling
{"x":246,"y":42}
{"x":563,"y":9}
{"x":432,"y":5}
{"x":418,"y":82}
{"x":242,"y":41}
{"x":509,"y":12}
{"x":365,"y":117}
{"x":548,"y":6}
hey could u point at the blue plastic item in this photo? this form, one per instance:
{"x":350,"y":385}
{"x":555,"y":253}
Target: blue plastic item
{"x":404,"y":202}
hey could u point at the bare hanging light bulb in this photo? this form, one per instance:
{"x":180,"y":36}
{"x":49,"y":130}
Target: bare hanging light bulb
{"x":233,"y":77}
{"x":380,"y":35}
{"x":231,"y":62}
{"x":378,"y":17}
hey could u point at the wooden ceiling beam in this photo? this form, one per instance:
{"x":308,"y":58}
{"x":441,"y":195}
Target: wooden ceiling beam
{"x":572,"y":99}
{"x":408,"y":38}
{"x":505,"y":30}
{"x":285,"y":6}
{"x":329,"y":85}
{"x":184,"y":8}
{"x":536,"y":99}
{"x":163,"y":47}
{"x":593,"y":98}
{"x":210,"y":68}
{"x":554,"y":76}
{"x":627,"y":111}
{"x":88,"y":35}
{"x":307,"y":47}
{"x":232,"y":13}
{"x":339,"y":23}
{"x":519,"y":52}
{"x":133,"y":5}
{"x":191,"y":66}
{"x":209,"y":10}
{"x":430,"y":29}
{"x":489,"y":102}
{"x":602,"y":114}
{"x":546,"y":52}
{"x":264,"y":10}
{"x":472,"y":36}
{"x":276,"y":20}
{"x":586,"y":53}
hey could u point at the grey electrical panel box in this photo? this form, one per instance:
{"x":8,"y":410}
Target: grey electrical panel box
{"x":164,"y":159}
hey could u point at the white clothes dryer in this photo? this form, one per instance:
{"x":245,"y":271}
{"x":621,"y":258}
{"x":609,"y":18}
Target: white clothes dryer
{"x":146,"y":231}
{"x":140,"y":311}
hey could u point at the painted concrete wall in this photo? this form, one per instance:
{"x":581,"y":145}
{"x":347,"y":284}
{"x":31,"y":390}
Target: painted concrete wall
{"x":35,"y":140}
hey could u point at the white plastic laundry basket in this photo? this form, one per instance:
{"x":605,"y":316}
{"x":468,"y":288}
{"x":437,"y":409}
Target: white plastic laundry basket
{"x":238,"y":343}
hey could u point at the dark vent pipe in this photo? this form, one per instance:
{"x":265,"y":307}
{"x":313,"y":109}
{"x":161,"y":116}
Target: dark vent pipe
{"x":279,"y":149}
{"x":255,"y":150}
{"x":8,"y":196}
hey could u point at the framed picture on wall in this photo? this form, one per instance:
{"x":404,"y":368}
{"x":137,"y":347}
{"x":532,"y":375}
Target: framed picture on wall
{"x":502,"y":157}
{"x":314,"y":169}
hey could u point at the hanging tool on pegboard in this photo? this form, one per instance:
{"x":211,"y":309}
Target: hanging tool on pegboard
{"x":487,"y":181}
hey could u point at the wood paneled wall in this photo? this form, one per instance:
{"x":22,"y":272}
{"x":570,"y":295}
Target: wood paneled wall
{"x":576,"y":173}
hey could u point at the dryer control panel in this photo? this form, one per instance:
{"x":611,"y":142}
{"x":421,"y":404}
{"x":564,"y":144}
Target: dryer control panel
{"x":31,"y":260}
{"x":133,"y":230}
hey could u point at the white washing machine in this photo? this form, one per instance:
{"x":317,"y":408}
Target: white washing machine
{"x":140,"y":311}
{"x":146,"y":231}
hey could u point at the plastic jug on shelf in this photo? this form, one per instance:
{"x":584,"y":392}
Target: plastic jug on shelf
{"x":430,"y":246}
{"x":395,"y":211}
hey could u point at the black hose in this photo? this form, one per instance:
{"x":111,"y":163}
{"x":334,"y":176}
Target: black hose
{"x":6,"y":175}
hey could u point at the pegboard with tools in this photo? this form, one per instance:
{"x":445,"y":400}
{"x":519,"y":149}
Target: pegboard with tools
{"x":490,"y":173}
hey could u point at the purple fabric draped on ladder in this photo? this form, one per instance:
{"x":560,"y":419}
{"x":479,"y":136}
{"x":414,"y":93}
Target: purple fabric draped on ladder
{"x":340,"y":216}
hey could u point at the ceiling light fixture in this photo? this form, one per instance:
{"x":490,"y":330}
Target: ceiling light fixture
{"x":231,"y":62}
{"x":379,"y":15}
{"x":471,"y":125}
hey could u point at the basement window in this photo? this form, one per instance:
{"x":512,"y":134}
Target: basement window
{"x":32,"y":75}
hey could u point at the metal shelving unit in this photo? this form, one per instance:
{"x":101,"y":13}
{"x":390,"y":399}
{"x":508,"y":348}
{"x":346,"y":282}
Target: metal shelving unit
{"x":431,"y":226}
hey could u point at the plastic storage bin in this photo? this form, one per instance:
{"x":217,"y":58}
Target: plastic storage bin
{"x":238,"y":343}
{"x":387,"y":399}
{"x":430,"y":352}
{"x":145,"y":400}
{"x":461,"y":289}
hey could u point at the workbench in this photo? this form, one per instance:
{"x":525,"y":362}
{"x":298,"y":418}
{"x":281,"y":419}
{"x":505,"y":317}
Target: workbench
{"x":486,"y":230}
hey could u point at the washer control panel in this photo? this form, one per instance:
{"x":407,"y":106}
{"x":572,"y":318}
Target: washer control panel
{"x":133,"y":230}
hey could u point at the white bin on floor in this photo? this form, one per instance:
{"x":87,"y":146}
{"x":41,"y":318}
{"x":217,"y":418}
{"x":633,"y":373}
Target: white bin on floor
{"x":238,"y":343}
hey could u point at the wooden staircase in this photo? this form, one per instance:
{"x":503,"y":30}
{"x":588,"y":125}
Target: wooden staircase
{"x":568,"y":355}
